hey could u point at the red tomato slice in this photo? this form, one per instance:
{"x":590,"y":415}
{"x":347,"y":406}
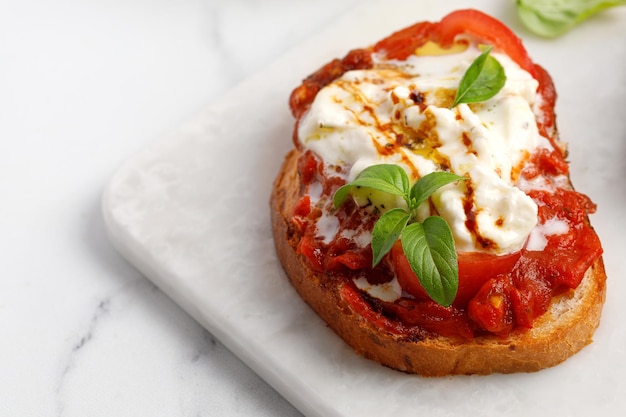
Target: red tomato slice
{"x":473,"y":23}
{"x":475,"y":268}
{"x":403,"y":43}
{"x":484,"y":28}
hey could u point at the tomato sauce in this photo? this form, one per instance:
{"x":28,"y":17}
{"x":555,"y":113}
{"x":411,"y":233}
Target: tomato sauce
{"x":496,"y":294}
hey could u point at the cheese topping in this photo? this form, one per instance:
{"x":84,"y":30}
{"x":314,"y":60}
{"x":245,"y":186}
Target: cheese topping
{"x":399,"y":112}
{"x":389,"y":291}
{"x":538,"y":239}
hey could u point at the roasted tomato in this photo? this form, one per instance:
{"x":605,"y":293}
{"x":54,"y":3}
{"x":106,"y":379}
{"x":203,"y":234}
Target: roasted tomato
{"x":483,"y":28}
{"x":475,"y":268}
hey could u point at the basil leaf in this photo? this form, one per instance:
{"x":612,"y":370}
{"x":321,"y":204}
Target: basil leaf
{"x":386,"y":231}
{"x":430,"y":183}
{"x":341,"y":194}
{"x":482,"y":80}
{"x":552,"y":18}
{"x":429,"y":248}
{"x":387,"y":178}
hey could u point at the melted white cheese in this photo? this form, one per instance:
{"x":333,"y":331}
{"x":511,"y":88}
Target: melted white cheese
{"x":399,"y":112}
{"x":389,"y":291}
{"x":327,"y":227}
{"x":538,"y":239}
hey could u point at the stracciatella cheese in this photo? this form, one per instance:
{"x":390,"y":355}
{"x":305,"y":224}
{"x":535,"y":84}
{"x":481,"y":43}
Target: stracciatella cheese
{"x":400,"y":112}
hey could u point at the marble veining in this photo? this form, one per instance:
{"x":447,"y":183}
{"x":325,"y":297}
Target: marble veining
{"x":103,"y":309}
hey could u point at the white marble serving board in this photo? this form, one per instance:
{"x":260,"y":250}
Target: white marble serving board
{"x":191,"y":212}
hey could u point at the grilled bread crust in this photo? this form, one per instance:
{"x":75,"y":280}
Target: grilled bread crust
{"x":563,"y":330}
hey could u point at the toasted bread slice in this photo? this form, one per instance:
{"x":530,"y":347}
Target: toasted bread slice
{"x":563,"y":330}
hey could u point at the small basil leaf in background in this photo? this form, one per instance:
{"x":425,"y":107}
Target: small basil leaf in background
{"x":552,"y":18}
{"x":429,"y":248}
{"x":430,"y":183}
{"x":387,"y":178}
{"x":483,"y":79}
{"x":386,"y":231}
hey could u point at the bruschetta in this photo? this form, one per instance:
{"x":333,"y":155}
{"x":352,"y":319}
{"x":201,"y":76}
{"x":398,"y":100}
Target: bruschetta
{"x":523,"y":286}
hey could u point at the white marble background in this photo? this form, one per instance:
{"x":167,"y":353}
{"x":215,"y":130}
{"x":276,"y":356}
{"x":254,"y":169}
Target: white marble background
{"x":84,"y":85}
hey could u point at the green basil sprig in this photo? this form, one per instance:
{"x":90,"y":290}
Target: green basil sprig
{"x":552,"y":18}
{"x":428,"y":245}
{"x":483,"y":79}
